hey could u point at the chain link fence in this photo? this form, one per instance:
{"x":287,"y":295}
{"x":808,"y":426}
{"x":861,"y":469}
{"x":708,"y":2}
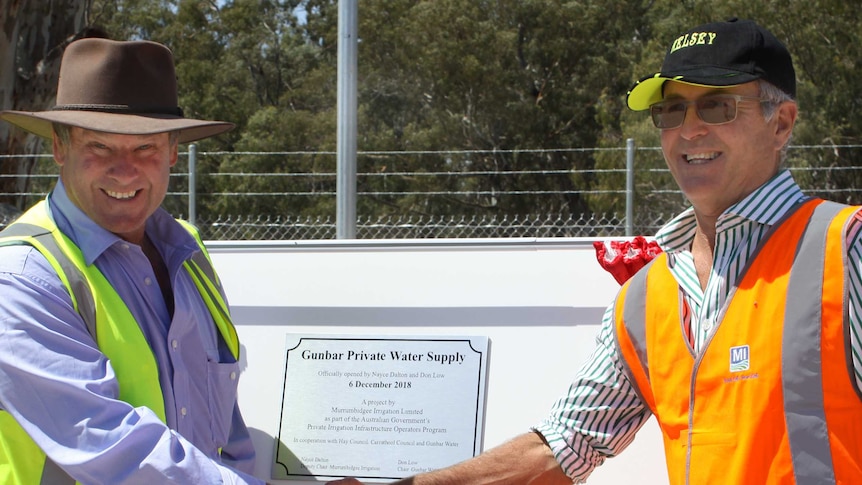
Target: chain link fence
{"x":278,"y":228}
{"x":419,"y":227}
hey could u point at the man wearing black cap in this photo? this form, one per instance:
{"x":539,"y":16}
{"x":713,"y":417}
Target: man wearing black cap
{"x":743,"y":337}
{"x":118,"y":358}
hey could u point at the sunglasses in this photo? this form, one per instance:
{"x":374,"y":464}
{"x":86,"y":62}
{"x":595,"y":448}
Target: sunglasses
{"x":715,"y":109}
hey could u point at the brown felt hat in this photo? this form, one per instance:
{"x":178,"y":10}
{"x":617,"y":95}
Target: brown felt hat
{"x":124,"y":87}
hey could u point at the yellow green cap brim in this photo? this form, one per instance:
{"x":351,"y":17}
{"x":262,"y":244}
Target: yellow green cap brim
{"x":648,"y":91}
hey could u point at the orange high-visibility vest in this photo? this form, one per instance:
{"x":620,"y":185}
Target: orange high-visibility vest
{"x":772,"y":397}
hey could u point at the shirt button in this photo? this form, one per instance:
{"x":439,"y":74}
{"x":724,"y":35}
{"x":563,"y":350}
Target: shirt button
{"x":183,"y":411}
{"x":148,"y":281}
{"x":174,"y":344}
{"x":125,"y":246}
{"x":233,"y":376}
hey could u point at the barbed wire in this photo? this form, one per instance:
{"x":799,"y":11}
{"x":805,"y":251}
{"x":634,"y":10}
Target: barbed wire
{"x":441,"y":152}
{"x":254,"y":226}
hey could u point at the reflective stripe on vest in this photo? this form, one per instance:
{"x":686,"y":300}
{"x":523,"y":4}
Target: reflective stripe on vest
{"x":813,"y":452}
{"x":115,"y":331}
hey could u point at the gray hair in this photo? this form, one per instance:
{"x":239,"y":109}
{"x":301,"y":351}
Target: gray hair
{"x":772,"y":97}
{"x":64,"y":134}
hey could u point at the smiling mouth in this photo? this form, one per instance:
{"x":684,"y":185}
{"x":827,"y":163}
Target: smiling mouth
{"x":121,"y":195}
{"x":698,"y":158}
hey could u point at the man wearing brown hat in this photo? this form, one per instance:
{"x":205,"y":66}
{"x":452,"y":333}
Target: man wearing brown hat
{"x":118,"y":358}
{"x":743,"y":337}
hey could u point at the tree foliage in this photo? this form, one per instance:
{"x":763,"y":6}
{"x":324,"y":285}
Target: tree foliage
{"x":32,"y":40}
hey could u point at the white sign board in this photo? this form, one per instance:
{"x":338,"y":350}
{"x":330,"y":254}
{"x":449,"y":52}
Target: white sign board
{"x":539,"y":302}
{"x":379,"y":407}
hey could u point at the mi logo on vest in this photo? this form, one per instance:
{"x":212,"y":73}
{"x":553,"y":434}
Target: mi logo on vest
{"x":739,"y":359}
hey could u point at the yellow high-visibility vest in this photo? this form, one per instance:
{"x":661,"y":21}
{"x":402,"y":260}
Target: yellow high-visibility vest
{"x":113,"y":328}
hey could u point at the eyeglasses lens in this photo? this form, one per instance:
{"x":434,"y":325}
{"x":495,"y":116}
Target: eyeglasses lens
{"x":714,"y":110}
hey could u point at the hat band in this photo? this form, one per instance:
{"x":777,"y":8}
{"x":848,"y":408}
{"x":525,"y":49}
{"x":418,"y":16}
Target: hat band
{"x":119,"y":108}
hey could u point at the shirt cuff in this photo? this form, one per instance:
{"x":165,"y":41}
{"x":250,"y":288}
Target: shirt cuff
{"x":573,"y":453}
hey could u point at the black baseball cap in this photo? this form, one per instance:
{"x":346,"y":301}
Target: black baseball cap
{"x":719,"y":54}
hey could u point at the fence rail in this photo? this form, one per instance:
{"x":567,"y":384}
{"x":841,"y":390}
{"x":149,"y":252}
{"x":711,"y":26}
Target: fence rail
{"x":820,"y":169}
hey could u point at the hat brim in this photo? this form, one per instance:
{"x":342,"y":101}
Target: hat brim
{"x":648,"y":90}
{"x":40,"y":123}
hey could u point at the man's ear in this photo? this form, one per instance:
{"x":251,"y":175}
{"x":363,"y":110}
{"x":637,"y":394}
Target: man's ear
{"x":785,"y":117}
{"x":58,"y":150}
{"x":175,"y":153}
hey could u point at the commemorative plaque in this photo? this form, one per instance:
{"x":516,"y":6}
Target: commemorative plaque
{"x":379,"y":408}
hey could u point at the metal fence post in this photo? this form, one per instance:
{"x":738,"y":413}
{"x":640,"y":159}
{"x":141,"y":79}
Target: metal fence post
{"x":630,"y":186}
{"x":193,"y":158}
{"x":346,"y":130}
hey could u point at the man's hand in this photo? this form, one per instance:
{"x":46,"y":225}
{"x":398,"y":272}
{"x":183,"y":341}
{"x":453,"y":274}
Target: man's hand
{"x":524,"y":460}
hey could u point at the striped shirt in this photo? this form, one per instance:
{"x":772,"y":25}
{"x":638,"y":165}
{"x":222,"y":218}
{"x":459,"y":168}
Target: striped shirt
{"x":601,"y":412}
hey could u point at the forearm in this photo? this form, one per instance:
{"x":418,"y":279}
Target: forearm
{"x":525,"y":459}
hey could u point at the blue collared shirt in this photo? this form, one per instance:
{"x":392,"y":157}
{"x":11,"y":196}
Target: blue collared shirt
{"x":61,"y":388}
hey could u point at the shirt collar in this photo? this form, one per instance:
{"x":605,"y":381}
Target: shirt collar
{"x":766,"y":205}
{"x":94,"y":240}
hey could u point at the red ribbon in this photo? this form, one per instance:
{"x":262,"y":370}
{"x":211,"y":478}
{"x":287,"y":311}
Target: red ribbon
{"x":622,"y":259}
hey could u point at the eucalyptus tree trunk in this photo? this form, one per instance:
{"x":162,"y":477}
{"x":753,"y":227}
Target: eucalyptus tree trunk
{"x":33,"y":35}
